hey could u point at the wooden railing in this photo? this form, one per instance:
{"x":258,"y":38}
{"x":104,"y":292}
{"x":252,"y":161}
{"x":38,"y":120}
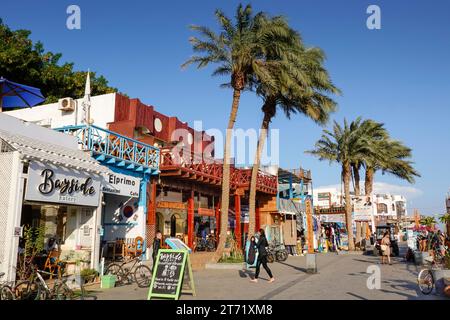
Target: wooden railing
{"x":210,"y":171}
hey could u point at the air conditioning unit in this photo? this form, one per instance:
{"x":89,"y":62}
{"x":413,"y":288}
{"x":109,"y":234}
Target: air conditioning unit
{"x":66,"y":104}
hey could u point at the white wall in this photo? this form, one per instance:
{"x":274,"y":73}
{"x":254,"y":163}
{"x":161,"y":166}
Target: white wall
{"x":11,"y":190}
{"x":335,"y":197}
{"x":102,"y":112}
{"x":112,"y":223}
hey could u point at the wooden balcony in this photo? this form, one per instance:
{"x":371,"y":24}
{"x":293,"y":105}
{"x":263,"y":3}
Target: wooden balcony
{"x":209,"y":171}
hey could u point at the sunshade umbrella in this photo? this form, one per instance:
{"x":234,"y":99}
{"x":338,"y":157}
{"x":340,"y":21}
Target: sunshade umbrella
{"x":18,"y":95}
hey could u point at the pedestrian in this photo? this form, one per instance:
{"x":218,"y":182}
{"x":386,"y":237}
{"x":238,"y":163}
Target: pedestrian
{"x":261,"y":245}
{"x":156,"y":246}
{"x":386,"y":247}
{"x":251,"y":255}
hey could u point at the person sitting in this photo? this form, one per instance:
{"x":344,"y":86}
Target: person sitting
{"x":51,"y":245}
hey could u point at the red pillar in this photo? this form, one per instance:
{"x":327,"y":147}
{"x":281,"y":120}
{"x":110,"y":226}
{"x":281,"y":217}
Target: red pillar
{"x":257,"y":218}
{"x":217,"y":213}
{"x":190,"y":216}
{"x":237,"y":210}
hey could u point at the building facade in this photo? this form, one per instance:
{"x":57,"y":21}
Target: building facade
{"x":183,"y":197}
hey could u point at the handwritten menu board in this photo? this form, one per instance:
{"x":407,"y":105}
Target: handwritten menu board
{"x":168,"y":274}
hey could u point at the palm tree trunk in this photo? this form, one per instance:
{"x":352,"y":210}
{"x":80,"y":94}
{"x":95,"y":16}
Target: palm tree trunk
{"x":346,"y":170}
{"x":226,"y":175}
{"x":356,"y":186}
{"x":255,"y":169}
{"x":368,"y":184}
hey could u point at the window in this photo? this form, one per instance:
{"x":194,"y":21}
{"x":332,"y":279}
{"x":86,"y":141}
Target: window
{"x":382,"y":208}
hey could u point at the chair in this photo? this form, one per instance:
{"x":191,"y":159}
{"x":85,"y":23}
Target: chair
{"x":53,"y":263}
{"x":136,"y":248}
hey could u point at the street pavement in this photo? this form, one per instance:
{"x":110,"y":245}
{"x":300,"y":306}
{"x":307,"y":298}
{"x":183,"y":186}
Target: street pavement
{"x":341,"y":276}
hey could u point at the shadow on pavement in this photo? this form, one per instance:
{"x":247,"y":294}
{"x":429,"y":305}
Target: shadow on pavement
{"x":293,"y":267}
{"x":356,"y":296}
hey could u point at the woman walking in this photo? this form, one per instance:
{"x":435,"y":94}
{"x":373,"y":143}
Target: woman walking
{"x":262,"y":257}
{"x":386,"y":247}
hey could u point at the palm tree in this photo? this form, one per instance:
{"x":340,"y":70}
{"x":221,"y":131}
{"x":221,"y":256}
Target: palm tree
{"x":300,"y":84}
{"x":373,"y":133}
{"x":391,"y":157}
{"x":344,"y":145}
{"x":241,"y":50}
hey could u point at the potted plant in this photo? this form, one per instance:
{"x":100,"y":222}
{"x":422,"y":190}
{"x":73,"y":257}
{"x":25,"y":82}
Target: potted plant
{"x":89,"y":275}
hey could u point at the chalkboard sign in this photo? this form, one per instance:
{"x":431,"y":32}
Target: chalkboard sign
{"x":168,"y":274}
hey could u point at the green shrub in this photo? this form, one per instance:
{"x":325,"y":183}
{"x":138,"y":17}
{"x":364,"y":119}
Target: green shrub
{"x":88,"y":272}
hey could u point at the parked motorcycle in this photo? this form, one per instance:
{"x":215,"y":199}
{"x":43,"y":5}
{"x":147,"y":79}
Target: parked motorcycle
{"x":276,"y":252}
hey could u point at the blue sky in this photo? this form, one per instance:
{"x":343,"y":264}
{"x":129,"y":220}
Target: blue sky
{"x":398,"y":75}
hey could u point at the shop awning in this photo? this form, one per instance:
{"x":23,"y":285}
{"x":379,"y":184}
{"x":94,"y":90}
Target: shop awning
{"x":292,"y":207}
{"x":38,"y":150}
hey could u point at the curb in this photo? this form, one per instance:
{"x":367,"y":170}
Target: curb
{"x":343,"y":253}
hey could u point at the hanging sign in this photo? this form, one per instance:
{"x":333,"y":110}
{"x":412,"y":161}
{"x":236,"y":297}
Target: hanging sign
{"x":168,"y":274}
{"x":121,"y":185}
{"x":48,"y":183}
{"x":206,"y":212}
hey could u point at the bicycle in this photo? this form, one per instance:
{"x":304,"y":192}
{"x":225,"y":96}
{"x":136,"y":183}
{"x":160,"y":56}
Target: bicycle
{"x":425,"y":278}
{"x":6,"y":291}
{"x":141,"y":274}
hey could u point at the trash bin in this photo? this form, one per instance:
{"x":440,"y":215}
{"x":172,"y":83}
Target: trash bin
{"x":108,"y":282}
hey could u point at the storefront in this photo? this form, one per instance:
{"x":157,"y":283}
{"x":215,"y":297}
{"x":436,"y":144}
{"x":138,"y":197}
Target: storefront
{"x":47,"y":182}
{"x":67,"y":202}
{"x":123,"y":213}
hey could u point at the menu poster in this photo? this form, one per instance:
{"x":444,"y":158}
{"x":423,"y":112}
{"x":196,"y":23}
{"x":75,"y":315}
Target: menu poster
{"x":168,"y":274}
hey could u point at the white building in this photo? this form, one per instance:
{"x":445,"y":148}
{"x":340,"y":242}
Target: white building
{"x":69,"y":112}
{"x":391,"y":206}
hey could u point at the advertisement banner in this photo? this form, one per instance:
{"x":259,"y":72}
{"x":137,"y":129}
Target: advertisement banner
{"x":363,"y":207}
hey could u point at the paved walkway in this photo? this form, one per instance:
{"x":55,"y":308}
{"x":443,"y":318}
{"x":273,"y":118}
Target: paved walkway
{"x":338,"y":277}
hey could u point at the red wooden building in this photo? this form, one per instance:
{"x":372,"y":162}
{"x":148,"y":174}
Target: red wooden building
{"x":185,"y":198}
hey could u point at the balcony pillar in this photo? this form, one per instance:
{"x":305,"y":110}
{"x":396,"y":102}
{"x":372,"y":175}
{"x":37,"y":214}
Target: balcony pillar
{"x":237,"y":228}
{"x":217,"y":214}
{"x":190,"y":216}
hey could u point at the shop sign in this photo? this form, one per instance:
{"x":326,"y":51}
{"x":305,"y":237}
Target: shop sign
{"x":122,"y":185}
{"x":322,"y":196}
{"x":48,"y":183}
{"x":332,"y":218}
{"x":206,"y":212}
{"x":171,"y":205}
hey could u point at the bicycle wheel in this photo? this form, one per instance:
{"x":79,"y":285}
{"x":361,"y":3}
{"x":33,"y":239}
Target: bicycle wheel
{"x":143,"y":276}
{"x":6,"y":293}
{"x":63,"y":292}
{"x":282,"y":255}
{"x":116,"y":270}
{"x":425,"y":281}
{"x":27,"y":290}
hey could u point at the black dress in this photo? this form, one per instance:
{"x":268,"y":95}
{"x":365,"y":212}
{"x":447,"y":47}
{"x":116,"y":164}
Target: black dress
{"x":262,"y":257}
